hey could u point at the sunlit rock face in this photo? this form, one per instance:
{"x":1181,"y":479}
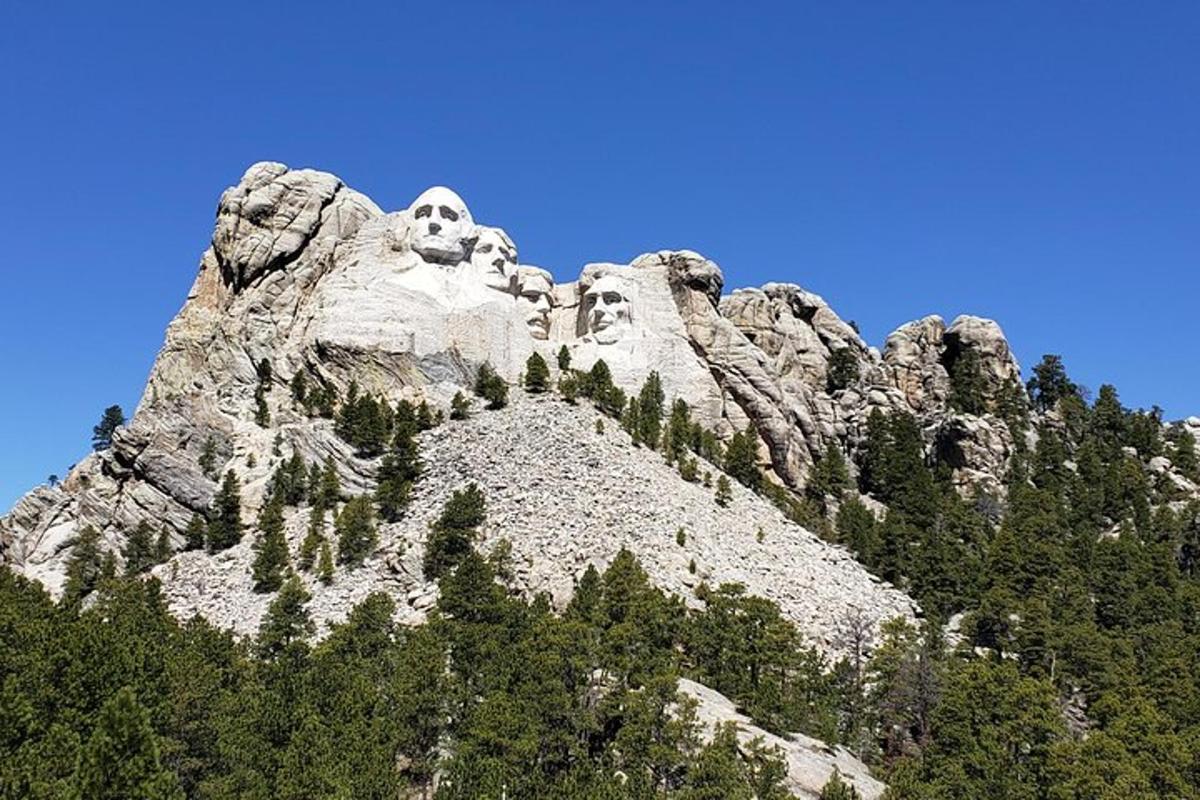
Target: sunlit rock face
{"x":493,"y":260}
{"x":314,"y":278}
{"x":404,"y":297}
{"x":535,"y":296}
{"x":608,"y":309}
{"x":441,"y":226}
{"x":628,"y":316}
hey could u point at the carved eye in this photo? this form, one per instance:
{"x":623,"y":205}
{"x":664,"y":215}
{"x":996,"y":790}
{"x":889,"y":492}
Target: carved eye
{"x":423,"y":211}
{"x":612,"y":298}
{"x":509,"y":255}
{"x":448,"y":213}
{"x":483,"y":248}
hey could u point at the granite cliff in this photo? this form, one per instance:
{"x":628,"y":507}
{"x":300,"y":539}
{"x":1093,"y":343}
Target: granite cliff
{"x":312,"y":277}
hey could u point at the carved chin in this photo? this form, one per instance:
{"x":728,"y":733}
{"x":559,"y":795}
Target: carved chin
{"x":538,"y":328}
{"x":494,"y":280}
{"x":437,"y":250}
{"x":608,"y":334}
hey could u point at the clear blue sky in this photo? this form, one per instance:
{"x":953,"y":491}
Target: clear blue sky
{"x":1034,"y":162}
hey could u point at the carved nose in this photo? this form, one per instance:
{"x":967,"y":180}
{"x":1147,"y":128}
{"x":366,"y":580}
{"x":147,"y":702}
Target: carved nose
{"x":434,"y":227}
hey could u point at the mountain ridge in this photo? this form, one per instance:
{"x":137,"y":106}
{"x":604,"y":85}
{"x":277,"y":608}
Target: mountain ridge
{"x":312,"y":278}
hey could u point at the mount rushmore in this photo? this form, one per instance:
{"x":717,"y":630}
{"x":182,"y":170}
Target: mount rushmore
{"x":312,"y":278}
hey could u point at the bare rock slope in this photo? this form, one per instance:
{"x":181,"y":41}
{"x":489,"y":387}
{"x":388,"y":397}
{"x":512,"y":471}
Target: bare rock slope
{"x":565,"y":495}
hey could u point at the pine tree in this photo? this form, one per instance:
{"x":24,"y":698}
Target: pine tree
{"x":121,"y":759}
{"x":84,"y":567}
{"x":679,"y":431}
{"x":599,"y":387}
{"x":208,"y":458}
{"x":967,"y":390}
{"x":689,"y":469}
{"x":425,"y":418}
{"x":312,"y":538}
{"x":325,"y":564}
{"x":343,"y":422}
{"x":420,"y":690}
{"x":629,"y":420}
{"x":399,"y":471}
{"x":356,"y":533}
{"x":837,"y":789}
{"x":537,"y":374}
{"x":717,"y":773}
{"x":564,"y":359}
{"x":330,"y":487}
{"x":290,"y":481}
{"x":608,"y":398}
{"x":270,"y":548}
{"x":896,"y":537}
{"x":857,"y":530}
{"x":491,"y":387}
{"x":393,"y":493}
{"x":1107,"y":421}
{"x":830,"y":476}
{"x":262,"y":414}
{"x":724,"y":492}
{"x":108,"y":567}
{"x":139,"y":549}
{"x":163,"y":548}
{"x":1184,"y":453}
{"x":373,"y":427}
{"x":842,"y":370}
{"x":452,"y":535}
{"x":286,"y":621}
{"x":299,"y":387}
{"x":102,"y":434}
{"x":225,"y":519}
{"x":873,"y":472}
{"x":568,"y":388}
{"x":405,"y":416}
{"x":650,"y":411}
{"x":1049,"y":383}
{"x":460,"y":406}
{"x":1011,"y":404}
{"x":741,"y":458}
{"x":364,"y":422}
{"x":193,"y":537}
{"x":1143,"y":432}
{"x":313,"y":484}
{"x":320,"y":400}
{"x":893,"y":467}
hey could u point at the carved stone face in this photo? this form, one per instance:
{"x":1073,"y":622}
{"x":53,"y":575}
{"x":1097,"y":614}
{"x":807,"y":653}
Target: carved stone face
{"x":607,"y":308}
{"x":493,"y":259}
{"x":441,"y":224}
{"x":534,"y":293}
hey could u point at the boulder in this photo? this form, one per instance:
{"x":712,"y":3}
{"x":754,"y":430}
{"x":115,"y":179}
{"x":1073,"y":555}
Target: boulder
{"x":998,"y":367}
{"x":810,"y":762}
{"x":912,"y":362}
